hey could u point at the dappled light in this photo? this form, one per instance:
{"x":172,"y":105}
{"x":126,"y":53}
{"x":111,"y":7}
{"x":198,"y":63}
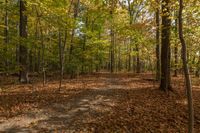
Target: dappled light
{"x":102,"y":104}
{"x":99,"y":66}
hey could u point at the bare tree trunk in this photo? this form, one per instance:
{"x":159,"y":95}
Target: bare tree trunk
{"x":112,"y":52}
{"x":158,"y":41}
{"x":71,"y":49}
{"x":126,"y":44}
{"x":43,"y":55}
{"x":31,"y":60}
{"x":129,"y":57}
{"x":137,"y":59}
{"x":165,"y":49}
{"x":176,"y":49}
{"x":60,"y":58}
{"x":61,"y":55}
{"x":38,"y":60}
{"x":23,"y":48}
{"x":112,"y":43}
{"x":43,"y":49}
{"x":6,"y":35}
{"x":83,"y":47}
{"x":35,"y":49}
{"x":186,"y":71}
{"x":119,"y":59}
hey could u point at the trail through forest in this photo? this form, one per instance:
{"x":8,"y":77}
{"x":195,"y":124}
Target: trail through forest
{"x":97,"y":103}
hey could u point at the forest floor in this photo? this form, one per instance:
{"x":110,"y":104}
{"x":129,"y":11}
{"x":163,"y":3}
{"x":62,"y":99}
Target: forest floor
{"x":100,"y":103}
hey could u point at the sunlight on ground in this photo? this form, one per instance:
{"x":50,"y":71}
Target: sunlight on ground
{"x":183,"y":102}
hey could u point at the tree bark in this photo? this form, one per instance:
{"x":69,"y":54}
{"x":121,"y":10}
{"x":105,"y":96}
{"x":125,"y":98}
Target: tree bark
{"x":176,"y":50}
{"x":158,"y":41}
{"x":6,"y":40}
{"x":60,"y":58}
{"x":23,"y":77}
{"x":71,"y":49}
{"x":43,"y":55}
{"x":61,"y":55}
{"x":112,"y":52}
{"x":138,"y":67}
{"x":83,"y":47}
{"x":112,"y":43}
{"x":165,"y":48}
{"x":186,"y":71}
{"x":119,"y":59}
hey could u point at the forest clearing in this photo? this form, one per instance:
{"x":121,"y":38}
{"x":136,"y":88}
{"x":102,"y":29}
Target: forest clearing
{"x":99,"y":66}
{"x":98,"y":103}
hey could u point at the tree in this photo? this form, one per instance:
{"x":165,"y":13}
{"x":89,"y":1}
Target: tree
{"x":176,"y":47}
{"x":186,"y":71}
{"x":6,"y":34}
{"x":112,"y":35}
{"x":23,"y":50}
{"x":158,"y":40}
{"x":76,"y":5}
{"x":165,"y":48}
{"x":61,"y":55}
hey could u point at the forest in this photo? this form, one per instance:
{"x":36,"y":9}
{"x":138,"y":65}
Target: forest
{"x":99,"y":66}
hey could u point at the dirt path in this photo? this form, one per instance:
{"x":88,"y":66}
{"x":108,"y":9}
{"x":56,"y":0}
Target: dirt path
{"x":123,"y":103}
{"x":69,"y":114}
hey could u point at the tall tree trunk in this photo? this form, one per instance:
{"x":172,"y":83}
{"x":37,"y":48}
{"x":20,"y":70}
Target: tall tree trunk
{"x":6,"y":35}
{"x":112,"y":52}
{"x":17,"y":46}
{"x":176,"y":49}
{"x":31,"y":60}
{"x":158,"y":41}
{"x":61,"y":55}
{"x":119,"y":59}
{"x":130,"y":11}
{"x":112,"y":43}
{"x":186,"y":71}
{"x":165,"y":48}
{"x":127,"y":51}
{"x":23,"y":77}
{"x":36,"y":49}
{"x":83,"y":47}
{"x":38,"y":64}
{"x":43,"y":55}
{"x":137,"y":59}
{"x":76,"y":9}
{"x":60,"y":58}
{"x":129,"y":57}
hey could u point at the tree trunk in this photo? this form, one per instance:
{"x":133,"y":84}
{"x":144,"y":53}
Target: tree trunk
{"x":126,"y":44}
{"x":83,"y":47}
{"x":137,"y":59}
{"x":112,"y":52}
{"x":6,"y":36}
{"x":61,"y":55}
{"x":112,"y":43}
{"x":43,"y":55}
{"x":158,"y":43}
{"x":60,"y":58}
{"x":23,"y":77}
{"x":186,"y":71}
{"x":31,"y":60}
{"x":119,"y":59}
{"x":129,"y":56}
{"x":165,"y":48}
{"x":176,"y":50}
{"x":71,"y":49}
